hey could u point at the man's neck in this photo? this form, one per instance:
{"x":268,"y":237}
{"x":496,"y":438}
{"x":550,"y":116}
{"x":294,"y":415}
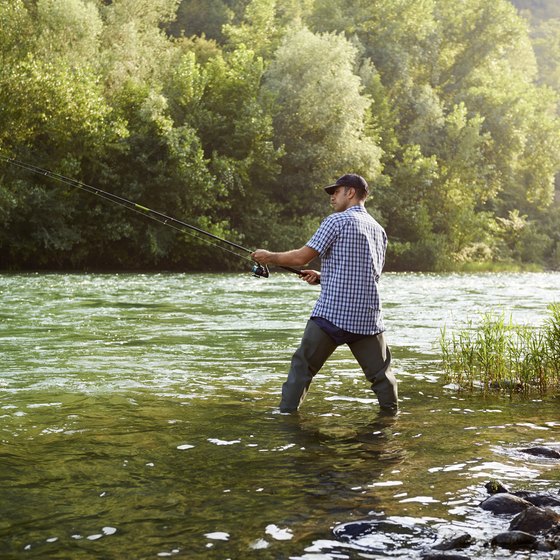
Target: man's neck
{"x":353,"y":204}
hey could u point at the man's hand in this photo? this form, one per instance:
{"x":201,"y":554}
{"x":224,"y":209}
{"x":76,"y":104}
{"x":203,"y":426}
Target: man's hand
{"x":311,"y":276}
{"x":262,"y":256}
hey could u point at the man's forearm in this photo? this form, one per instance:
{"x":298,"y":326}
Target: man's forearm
{"x":288,"y":258}
{"x":296,"y":257}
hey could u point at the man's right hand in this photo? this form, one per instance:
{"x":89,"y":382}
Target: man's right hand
{"x":311,"y":276}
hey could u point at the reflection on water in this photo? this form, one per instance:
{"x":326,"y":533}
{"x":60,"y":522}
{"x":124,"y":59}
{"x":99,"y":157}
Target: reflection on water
{"x":138,"y":420}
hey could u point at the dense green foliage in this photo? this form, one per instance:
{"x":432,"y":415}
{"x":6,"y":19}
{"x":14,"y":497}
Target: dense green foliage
{"x":231,"y":115}
{"x":498,"y":355}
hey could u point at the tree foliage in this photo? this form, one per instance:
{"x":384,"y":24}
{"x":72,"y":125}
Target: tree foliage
{"x":232,"y":114}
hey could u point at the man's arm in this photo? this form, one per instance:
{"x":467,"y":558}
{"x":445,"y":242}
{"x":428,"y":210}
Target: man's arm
{"x":296,"y":257}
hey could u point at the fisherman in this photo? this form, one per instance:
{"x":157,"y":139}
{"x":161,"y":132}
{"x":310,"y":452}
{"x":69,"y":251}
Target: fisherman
{"x":351,"y":245}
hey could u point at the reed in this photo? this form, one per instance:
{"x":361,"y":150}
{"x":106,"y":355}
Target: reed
{"x":498,"y":355}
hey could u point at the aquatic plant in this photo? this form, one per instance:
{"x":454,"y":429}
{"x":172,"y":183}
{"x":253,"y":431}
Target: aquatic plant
{"x":499,"y":355}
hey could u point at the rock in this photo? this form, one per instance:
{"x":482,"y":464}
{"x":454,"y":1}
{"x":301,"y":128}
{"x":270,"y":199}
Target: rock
{"x":534,"y":520}
{"x":552,"y":537}
{"x":541,"y":451}
{"x":505,"y":503}
{"x":354,"y":530}
{"x":543,"y":500}
{"x":514,"y":539}
{"x":544,"y":546}
{"x":540,"y":500}
{"x":495,"y":487}
{"x":460,"y":541}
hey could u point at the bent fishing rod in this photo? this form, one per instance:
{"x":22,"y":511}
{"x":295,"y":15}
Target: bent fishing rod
{"x":258,"y":270}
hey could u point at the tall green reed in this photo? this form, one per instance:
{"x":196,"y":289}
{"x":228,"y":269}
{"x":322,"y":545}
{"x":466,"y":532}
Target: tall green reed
{"x":498,"y":355}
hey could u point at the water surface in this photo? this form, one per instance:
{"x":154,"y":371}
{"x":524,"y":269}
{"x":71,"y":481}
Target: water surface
{"x":138,"y":420}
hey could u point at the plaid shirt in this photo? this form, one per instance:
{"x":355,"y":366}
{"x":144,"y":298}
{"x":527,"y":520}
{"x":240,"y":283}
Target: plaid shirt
{"x":352,"y":249}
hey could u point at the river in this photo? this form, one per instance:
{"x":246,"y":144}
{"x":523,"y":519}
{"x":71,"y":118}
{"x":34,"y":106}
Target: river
{"x":138,"y":420}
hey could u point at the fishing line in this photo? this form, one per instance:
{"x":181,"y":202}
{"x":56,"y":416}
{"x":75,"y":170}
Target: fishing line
{"x":258,"y":269}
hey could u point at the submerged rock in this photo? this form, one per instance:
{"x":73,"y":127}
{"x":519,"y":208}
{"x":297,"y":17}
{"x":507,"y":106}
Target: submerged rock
{"x":505,"y":503}
{"x":460,"y":541}
{"x":514,"y":539}
{"x":541,"y":451}
{"x":354,"y":530}
{"x":535,"y":520}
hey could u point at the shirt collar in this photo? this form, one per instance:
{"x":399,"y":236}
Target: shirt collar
{"x":356,"y":208}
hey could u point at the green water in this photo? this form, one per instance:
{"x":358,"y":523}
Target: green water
{"x":138,"y":420}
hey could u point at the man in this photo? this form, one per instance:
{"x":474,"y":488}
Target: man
{"x":352,"y":246}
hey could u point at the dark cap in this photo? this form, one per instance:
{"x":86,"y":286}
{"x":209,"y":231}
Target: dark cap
{"x":350,"y":180}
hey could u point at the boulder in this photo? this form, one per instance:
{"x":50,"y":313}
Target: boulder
{"x":535,"y":520}
{"x":514,"y":540}
{"x":505,"y":504}
{"x":543,"y":500}
{"x":541,"y":451}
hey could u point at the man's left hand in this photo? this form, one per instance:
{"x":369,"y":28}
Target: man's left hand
{"x":311,"y":276}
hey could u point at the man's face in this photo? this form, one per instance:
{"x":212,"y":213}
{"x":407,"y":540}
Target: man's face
{"x":339,"y":199}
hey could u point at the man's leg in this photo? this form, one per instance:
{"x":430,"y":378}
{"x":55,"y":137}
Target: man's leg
{"x":374,"y":358}
{"x":316,"y":346}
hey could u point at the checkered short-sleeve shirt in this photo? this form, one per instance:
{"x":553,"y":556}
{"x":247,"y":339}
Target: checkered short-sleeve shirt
{"x":352,"y":248}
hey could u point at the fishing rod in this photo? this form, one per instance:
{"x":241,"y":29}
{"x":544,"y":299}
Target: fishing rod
{"x":258,"y":270}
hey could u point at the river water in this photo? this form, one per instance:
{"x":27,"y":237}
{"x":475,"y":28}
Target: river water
{"x":138,"y":420}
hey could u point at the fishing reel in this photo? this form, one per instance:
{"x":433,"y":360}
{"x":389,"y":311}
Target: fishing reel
{"x":260,"y":270}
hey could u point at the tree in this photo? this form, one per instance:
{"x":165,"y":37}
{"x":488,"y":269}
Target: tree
{"x":546,"y":42}
{"x":221,"y":101}
{"x":202,"y":17}
{"x":69,"y":30}
{"x":539,"y":10}
{"x":320,"y":117}
{"x":460,"y":81}
{"x":258,"y":31}
{"x":134,"y":45}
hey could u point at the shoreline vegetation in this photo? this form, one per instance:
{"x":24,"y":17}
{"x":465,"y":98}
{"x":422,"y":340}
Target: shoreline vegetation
{"x":497,"y":355}
{"x":232,"y":115}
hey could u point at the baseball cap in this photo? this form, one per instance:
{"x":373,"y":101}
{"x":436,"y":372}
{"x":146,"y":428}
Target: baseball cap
{"x":349,"y":180}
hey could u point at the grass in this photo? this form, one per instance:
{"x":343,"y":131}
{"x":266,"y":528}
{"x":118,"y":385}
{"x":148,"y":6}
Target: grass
{"x":497,"y":355}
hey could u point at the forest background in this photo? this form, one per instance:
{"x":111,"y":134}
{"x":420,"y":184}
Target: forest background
{"x":232,"y":114}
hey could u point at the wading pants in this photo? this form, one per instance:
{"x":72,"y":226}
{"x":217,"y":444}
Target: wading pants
{"x":316,"y":346}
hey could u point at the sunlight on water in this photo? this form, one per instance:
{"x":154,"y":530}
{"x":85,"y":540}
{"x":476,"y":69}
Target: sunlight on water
{"x":138,"y":420}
